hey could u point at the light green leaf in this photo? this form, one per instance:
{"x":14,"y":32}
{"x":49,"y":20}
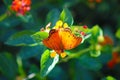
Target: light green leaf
{"x":66,"y":16}
{"x":52,"y":17}
{"x":95,"y":53}
{"x":22,"y":38}
{"x":108,"y":78}
{"x":8,"y":66}
{"x":39,"y":36}
{"x":47,"y":63}
{"x":96,"y":31}
{"x":118,"y":33}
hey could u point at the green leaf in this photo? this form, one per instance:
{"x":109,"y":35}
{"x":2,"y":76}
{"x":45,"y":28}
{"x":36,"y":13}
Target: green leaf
{"x":52,"y":17}
{"x":81,"y":73}
{"x":34,"y":69}
{"x":26,"y":18}
{"x":96,"y":31}
{"x":3,"y":16}
{"x":47,"y":63}
{"x":31,"y":51}
{"x":8,"y":66}
{"x":7,"y":2}
{"x":106,"y":55}
{"x":118,"y":33}
{"x":57,"y":72}
{"x":80,"y":28}
{"x":9,"y":21}
{"x":39,"y":36}
{"x":66,"y":16}
{"x":90,"y":62}
{"x":108,"y":78}
{"x":22,"y":38}
{"x":95,"y":53}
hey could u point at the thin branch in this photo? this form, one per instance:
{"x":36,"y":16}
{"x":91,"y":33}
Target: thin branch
{"x":75,"y":55}
{"x":79,"y":53}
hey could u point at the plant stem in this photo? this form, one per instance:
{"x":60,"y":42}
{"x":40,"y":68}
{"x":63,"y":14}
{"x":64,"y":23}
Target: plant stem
{"x":75,"y":55}
{"x":79,"y":53}
{"x":3,"y":16}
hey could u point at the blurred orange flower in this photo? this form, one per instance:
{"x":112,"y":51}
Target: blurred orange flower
{"x":97,"y":1}
{"x":21,"y":6}
{"x":115,"y":60}
{"x":107,"y":41}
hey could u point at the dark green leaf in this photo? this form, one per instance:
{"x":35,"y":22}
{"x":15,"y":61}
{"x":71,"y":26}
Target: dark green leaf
{"x":39,"y":36}
{"x":26,"y":18}
{"x":52,"y":17}
{"x":66,"y":16}
{"x":106,"y":54}
{"x":90,"y":62}
{"x":8,"y":66}
{"x":57,"y":72}
{"x":7,"y":2}
{"x":34,"y":69}
{"x":33,"y":51}
{"x":22,"y":38}
{"x":9,"y":21}
{"x":81,"y":73}
{"x":47,"y":63}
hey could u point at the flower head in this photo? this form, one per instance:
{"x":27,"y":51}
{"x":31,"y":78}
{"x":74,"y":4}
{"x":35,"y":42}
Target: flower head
{"x":21,"y":6}
{"x":61,"y":38}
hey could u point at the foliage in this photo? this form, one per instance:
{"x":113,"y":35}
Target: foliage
{"x":25,"y":56}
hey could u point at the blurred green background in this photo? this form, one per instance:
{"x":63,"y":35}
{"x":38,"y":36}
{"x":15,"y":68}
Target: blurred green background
{"x":16,"y":43}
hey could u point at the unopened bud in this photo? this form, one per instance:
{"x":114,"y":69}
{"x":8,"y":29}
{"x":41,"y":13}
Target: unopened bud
{"x":100,"y":38}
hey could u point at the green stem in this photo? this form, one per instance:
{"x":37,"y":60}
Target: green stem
{"x":76,"y":55}
{"x":3,"y":16}
{"x":79,"y":53}
{"x":20,"y":67}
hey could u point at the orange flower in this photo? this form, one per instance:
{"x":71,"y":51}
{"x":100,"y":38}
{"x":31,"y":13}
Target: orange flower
{"x":107,"y":41}
{"x":21,"y":6}
{"x":98,"y":1}
{"x":115,"y":60}
{"x":61,"y":38}
{"x":111,"y":63}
